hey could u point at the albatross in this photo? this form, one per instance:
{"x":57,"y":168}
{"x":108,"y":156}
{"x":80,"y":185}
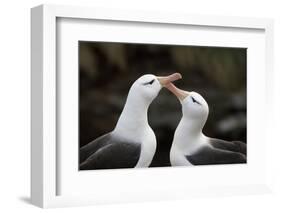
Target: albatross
{"x":190,"y":146}
{"x":132,"y":143}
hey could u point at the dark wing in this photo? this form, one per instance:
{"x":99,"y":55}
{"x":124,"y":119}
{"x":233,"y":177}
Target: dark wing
{"x":90,"y":148}
{"x":208,"y":155}
{"x":235,"y":146}
{"x":113,"y":156}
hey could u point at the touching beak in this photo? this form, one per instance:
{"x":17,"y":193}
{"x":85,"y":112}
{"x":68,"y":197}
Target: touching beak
{"x":181,"y":94}
{"x":164,"y":81}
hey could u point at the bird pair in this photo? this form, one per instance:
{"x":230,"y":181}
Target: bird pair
{"x":132,"y":143}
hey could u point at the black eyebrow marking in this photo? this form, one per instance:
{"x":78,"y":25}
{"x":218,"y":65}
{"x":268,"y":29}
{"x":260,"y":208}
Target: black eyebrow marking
{"x":150,"y":82}
{"x":195,"y":101}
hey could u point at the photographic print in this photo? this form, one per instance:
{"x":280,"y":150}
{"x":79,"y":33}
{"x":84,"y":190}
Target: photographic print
{"x":156,"y":105}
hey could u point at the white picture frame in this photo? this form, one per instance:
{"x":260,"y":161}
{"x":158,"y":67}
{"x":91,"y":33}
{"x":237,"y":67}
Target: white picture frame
{"x":44,"y":153}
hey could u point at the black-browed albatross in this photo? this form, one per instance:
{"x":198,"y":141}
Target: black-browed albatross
{"x":190,"y":146}
{"x":132,"y":143}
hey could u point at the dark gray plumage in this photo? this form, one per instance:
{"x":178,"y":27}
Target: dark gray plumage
{"x":108,"y":152}
{"x":221,"y":152}
{"x":235,"y":146}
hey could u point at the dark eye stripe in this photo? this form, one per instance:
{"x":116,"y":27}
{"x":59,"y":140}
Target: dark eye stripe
{"x":150,"y":82}
{"x":194,"y":101}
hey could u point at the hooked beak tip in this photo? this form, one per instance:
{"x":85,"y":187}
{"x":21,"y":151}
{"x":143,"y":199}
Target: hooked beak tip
{"x":164,"y":81}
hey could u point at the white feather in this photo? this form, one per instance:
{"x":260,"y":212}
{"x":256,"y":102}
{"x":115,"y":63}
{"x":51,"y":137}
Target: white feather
{"x":133,"y":123}
{"x":188,"y":137}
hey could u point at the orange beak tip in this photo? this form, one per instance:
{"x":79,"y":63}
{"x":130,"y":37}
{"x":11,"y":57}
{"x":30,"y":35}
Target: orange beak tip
{"x":164,"y":81}
{"x":179,"y":75}
{"x":176,"y":76}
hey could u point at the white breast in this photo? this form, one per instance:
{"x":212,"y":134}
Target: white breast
{"x":148,"y":148}
{"x":177,"y":157}
{"x":184,"y":144}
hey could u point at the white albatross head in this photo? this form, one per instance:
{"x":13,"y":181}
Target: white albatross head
{"x":143,"y":91}
{"x":194,"y":106}
{"x":146,"y":88}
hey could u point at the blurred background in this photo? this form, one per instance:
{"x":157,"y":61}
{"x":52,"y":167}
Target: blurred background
{"x":107,"y":71}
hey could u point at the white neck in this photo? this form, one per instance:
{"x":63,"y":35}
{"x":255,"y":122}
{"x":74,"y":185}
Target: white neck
{"x":133,"y":119}
{"x":188,"y":136}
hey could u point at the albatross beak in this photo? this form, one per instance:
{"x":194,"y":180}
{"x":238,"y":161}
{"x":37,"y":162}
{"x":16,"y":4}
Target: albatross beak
{"x":181,"y":94}
{"x":164,"y":81}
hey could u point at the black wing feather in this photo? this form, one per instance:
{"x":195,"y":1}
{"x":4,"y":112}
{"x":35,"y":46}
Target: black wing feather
{"x":208,"y":155}
{"x":235,"y":146}
{"x":113,"y":155}
{"x":90,"y":148}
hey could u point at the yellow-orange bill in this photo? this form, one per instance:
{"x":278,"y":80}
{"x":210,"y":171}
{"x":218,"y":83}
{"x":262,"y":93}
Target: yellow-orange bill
{"x":168,"y":79}
{"x":179,"y":93}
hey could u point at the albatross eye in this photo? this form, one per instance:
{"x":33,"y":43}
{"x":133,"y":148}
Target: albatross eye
{"x":194,"y":101}
{"x":150,"y":82}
